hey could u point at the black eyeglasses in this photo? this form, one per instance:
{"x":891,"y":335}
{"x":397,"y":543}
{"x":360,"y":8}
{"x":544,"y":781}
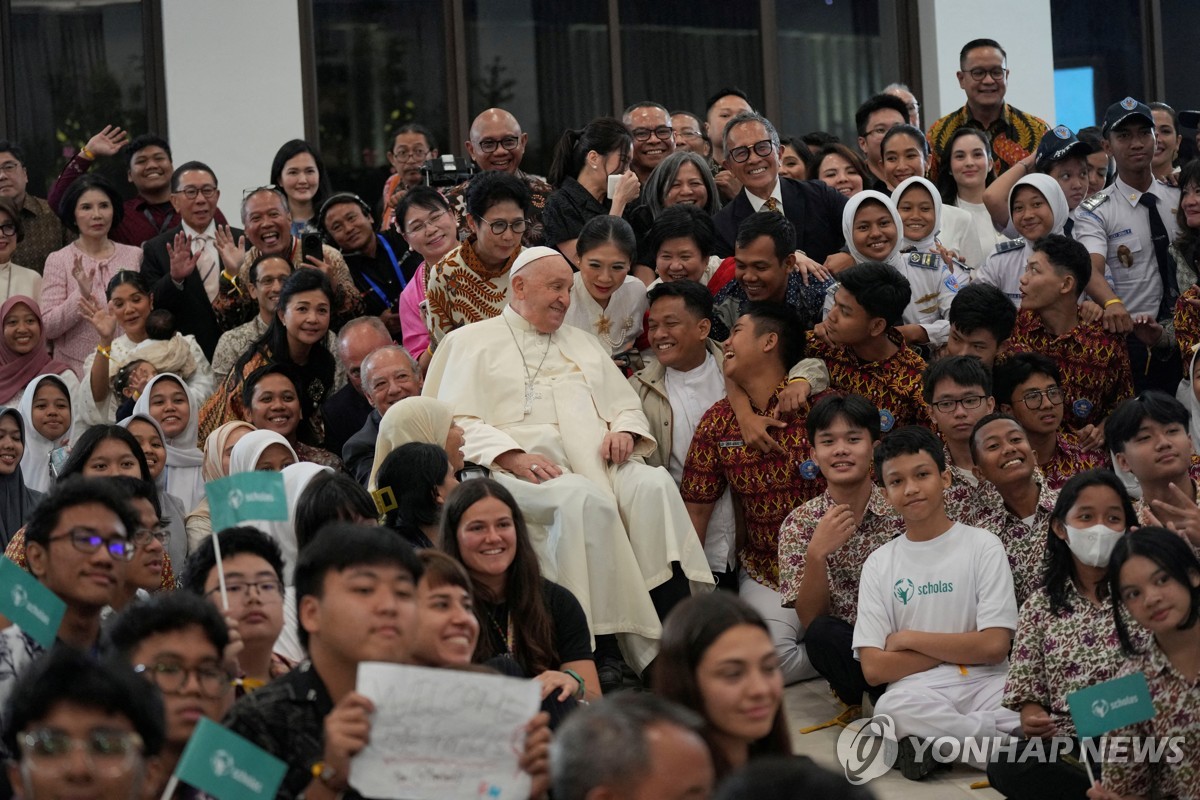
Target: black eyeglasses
{"x":762,"y":149}
{"x":948,"y":406}
{"x":190,"y":192}
{"x":108,"y":753}
{"x":266,"y":590}
{"x":995,"y":73}
{"x":507,"y":142}
{"x":663,"y":132}
{"x":88,"y":541}
{"x":161,"y":534}
{"x":8,"y":229}
{"x":501,"y":225}
{"x":170,"y":677}
{"x":1033,"y":398}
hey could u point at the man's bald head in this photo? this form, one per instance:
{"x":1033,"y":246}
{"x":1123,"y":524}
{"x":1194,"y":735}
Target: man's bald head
{"x":541,"y":292}
{"x":497,"y":142}
{"x":357,"y":339}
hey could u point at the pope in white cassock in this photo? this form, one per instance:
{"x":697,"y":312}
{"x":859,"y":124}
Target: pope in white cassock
{"x":543,"y":407}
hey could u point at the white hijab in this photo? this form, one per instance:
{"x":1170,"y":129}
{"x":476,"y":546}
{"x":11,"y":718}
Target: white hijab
{"x":925,"y":244}
{"x":245,"y":454}
{"x":35,"y":464}
{"x":183,"y":475}
{"x":1051,"y":191}
{"x":851,"y":208}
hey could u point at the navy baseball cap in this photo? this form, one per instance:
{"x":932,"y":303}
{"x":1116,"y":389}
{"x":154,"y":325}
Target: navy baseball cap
{"x":1056,"y":144}
{"x":1119,"y":112}
{"x":1189,"y":119}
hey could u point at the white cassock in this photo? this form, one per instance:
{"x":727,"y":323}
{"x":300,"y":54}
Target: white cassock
{"x":608,"y":533}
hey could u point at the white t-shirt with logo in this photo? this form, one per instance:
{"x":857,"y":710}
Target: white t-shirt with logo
{"x":957,"y":583}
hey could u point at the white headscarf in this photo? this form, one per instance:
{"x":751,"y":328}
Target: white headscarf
{"x":413,"y":419}
{"x":925,"y":244}
{"x":851,"y":208}
{"x":183,"y":476}
{"x":35,"y":464}
{"x":1051,"y":191}
{"x":245,"y":454}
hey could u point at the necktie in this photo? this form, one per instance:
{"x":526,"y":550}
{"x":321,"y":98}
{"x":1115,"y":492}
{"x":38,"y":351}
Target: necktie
{"x":771,"y":205}
{"x":206,"y":264}
{"x":1166,"y":267}
{"x":1068,"y":227}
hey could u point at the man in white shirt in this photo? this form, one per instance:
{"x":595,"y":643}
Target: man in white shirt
{"x":676,"y":389}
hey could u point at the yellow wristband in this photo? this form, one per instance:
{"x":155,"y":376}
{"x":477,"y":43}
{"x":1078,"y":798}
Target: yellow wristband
{"x":1108,"y":303}
{"x":104,"y":351}
{"x":88,"y":154}
{"x":794,"y":380}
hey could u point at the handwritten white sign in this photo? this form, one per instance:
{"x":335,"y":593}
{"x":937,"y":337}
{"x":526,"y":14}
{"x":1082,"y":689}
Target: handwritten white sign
{"x":442,"y":734}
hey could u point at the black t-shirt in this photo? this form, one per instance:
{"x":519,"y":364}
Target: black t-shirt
{"x":572,"y":638}
{"x":376,"y":277}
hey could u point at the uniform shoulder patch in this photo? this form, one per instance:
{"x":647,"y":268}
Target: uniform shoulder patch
{"x":1011,"y":244}
{"x":925,"y":260}
{"x":1095,"y":201}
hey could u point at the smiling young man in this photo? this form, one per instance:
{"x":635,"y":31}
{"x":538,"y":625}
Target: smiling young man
{"x":765,"y":340}
{"x":936,"y":611}
{"x":873,"y":119}
{"x":677,"y":388}
{"x":1005,"y":459}
{"x":1093,"y":363}
{"x":1027,"y":387}
{"x":958,"y":392}
{"x":824,"y":543}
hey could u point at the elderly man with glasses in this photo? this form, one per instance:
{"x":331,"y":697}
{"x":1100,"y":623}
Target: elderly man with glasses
{"x":983,"y":75}
{"x":497,"y":144}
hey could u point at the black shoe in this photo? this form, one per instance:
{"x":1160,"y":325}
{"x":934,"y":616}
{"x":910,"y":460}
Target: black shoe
{"x":616,"y":675}
{"x":910,"y":766}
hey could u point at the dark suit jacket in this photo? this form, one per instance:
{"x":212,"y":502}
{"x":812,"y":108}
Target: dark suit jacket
{"x":344,"y":413}
{"x":359,"y":452}
{"x":192,"y":309}
{"x":814,"y":208}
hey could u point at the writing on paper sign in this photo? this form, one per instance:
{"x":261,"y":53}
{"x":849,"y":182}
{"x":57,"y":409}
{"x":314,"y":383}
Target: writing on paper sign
{"x":440,"y":734}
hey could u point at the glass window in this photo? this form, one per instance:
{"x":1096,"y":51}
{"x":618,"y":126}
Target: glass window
{"x":379,"y":65}
{"x":1083,"y":37}
{"x":829,"y":62}
{"x":1180,"y":21}
{"x":679,"y":52}
{"x":546,"y":61}
{"x":76,"y":68}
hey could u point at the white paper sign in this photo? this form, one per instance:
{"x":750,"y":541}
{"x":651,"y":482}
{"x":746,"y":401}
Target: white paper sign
{"x":443,"y":734}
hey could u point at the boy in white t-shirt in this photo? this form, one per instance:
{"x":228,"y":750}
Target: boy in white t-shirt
{"x":936,"y":611}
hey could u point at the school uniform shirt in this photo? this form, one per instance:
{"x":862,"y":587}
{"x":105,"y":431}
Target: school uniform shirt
{"x":1146,"y":517}
{"x":880,"y":524}
{"x":892,"y":385}
{"x":1113,"y":225}
{"x":1056,"y":654}
{"x":1069,"y":459}
{"x":1094,"y":366}
{"x":1176,"y":699}
{"x":769,"y":485}
{"x":1024,"y":538}
{"x":958,"y":582}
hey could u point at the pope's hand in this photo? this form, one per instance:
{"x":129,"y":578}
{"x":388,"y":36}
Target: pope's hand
{"x":617,"y":447}
{"x":528,"y":466}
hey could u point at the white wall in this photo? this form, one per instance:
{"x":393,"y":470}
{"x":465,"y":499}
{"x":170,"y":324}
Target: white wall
{"x":1022,"y":27}
{"x":233,"y":87}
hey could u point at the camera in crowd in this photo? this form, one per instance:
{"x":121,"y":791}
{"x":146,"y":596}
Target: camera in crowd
{"x":446,"y":171}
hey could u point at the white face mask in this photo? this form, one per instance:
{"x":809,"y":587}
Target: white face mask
{"x":1093,"y":545}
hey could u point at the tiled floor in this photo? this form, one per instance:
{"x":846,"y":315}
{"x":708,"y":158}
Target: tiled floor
{"x":809,"y":703}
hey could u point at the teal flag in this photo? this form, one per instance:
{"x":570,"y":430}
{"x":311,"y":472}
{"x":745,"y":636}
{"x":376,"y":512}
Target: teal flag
{"x":246,"y":496}
{"x":1113,"y":704}
{"x":219,"y":762}
{"x":29,"y":604}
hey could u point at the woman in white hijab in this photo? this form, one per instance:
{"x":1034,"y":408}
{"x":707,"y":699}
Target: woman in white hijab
{"x":255,"y":447}
{"x":418,"y":419}
{"x":1038,"y":208}
{"x":872,"y":227}
{"x":53,"y":417}
{"x":168,"y":400}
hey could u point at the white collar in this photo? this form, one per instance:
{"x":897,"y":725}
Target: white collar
{"x":757,"y":202}
{"x":210,"y":231}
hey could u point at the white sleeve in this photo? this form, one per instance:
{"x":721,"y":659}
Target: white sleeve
{"x":1089,"y":232}
{"x":996,"y":603}
{"x":201,"y":381}
{"x":874,"y":623}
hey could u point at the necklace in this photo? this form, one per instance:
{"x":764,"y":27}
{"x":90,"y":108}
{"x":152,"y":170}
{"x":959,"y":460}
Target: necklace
{"x":529,"y":379}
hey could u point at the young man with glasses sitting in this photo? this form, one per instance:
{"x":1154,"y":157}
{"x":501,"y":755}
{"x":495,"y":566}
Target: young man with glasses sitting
{"x":471,"y":283}
{"x":77,"y":544}
{"x":180,"y":644}
{"x":253,"y":567}
{"x":78,"y":727}
{"x":1093,"y":363}
{"x":958,"y":391}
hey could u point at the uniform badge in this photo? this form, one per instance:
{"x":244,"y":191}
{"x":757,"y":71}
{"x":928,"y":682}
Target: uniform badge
{"x":809,"y":470}
{"x":1082,"y":407}
{"x":887,"y":420}
{"x":1125,"y":256}
{"x":1129,"y":104}
{"x":951,"y":282}
{"x":1062,"y":132}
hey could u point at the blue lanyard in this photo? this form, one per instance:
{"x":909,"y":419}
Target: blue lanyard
{"x":395,"y":266}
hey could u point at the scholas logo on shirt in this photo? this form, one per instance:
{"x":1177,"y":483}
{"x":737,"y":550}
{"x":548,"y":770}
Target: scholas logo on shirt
{"x":905,"y":590}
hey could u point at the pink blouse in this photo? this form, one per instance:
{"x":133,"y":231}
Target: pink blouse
{"x":72,"y":337}
{"x":412,"y":319}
